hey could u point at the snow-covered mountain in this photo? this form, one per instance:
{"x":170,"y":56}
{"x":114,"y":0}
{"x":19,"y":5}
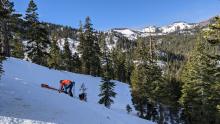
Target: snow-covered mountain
{"x":129,"y":33}
{"x":177,"y":26}
{"x":150,"y":29}
{"x":113,"y":35}
{"x":133,"y":34}
{"x":153,"y":30}
{"x":23,"y":101}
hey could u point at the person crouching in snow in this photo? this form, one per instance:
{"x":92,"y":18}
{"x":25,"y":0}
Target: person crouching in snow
{"x":66,"y":85}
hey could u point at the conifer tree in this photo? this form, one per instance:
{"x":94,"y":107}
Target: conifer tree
{"x":129,"y":66}
{"x":31,"y":15}
{"x":38,"y":40}
{"x":107,"y":86}
{"x":8,"y":20}
{"x":170,"y":92}
{"x":89,"y":49}
{"x":76,"y":63}
{"x":105,"y":55}
{"x":119,"y":61}
{"x":107,"y":92}
{"x":81,"y":49}
{"x":18,"y":48}
{"x":145,"y":80}
{"x":55,"y":59}
{"x":95,"y":59}
{"x":212,"y":35}
{"x":86,"y":46}
{"x":198,"y":96}
{"x":67,"y":56}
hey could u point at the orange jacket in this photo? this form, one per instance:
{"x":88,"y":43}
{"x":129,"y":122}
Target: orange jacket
{"x":64,"y":82}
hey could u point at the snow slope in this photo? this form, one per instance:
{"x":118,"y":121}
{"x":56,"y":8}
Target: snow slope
{"x":11,"y":120}
{"x":22,"y":99}
{"x":130,"y":34}
{"x":150,"y":29}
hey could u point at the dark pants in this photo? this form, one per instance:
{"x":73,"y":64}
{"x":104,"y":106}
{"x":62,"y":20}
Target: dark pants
{"x":69,"y":88}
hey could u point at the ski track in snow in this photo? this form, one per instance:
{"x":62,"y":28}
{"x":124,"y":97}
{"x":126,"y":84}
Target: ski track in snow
{"x":22,"y":100}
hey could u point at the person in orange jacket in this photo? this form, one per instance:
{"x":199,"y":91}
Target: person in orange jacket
{"x":66,"y":85}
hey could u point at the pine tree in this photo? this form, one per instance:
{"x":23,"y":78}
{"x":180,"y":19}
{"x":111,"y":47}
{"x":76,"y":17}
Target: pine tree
{"x":95,"y":60}
{"x":18,"y":48}
{"x":93,"y":48}
{"x":107,"y":91}
{"x":119,"y":61}
{"x":107,"y":87}
{"x":81,"y":49}
{"x":170,"y":92}
{"x":89,"y":49}
{"x":198,"y":79}
{"x":8,"y":20}
{"x":105,"y":55}
{"x":129,"y":66}
{"x":145,"y":81}
{"x":139,"y":98}
{"x":38,"y":40}
{"x":212,"y":35}
{"x":55,"y":59}
{"x":31,"y":15}
{"x":67,"y":56}
{"x":76,"y":63}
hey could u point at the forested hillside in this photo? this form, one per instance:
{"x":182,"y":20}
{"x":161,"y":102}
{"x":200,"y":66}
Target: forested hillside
{"x":173,"y":71}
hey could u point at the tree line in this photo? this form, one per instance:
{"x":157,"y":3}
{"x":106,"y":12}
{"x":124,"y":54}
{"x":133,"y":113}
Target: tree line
{"x":192,"y":86}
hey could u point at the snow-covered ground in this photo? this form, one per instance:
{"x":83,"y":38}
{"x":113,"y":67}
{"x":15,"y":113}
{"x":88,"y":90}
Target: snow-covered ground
{"x":12,"y":120}
{"x":22,"y":100}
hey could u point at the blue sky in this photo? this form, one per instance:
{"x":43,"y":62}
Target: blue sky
{"x":106,"y":14}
